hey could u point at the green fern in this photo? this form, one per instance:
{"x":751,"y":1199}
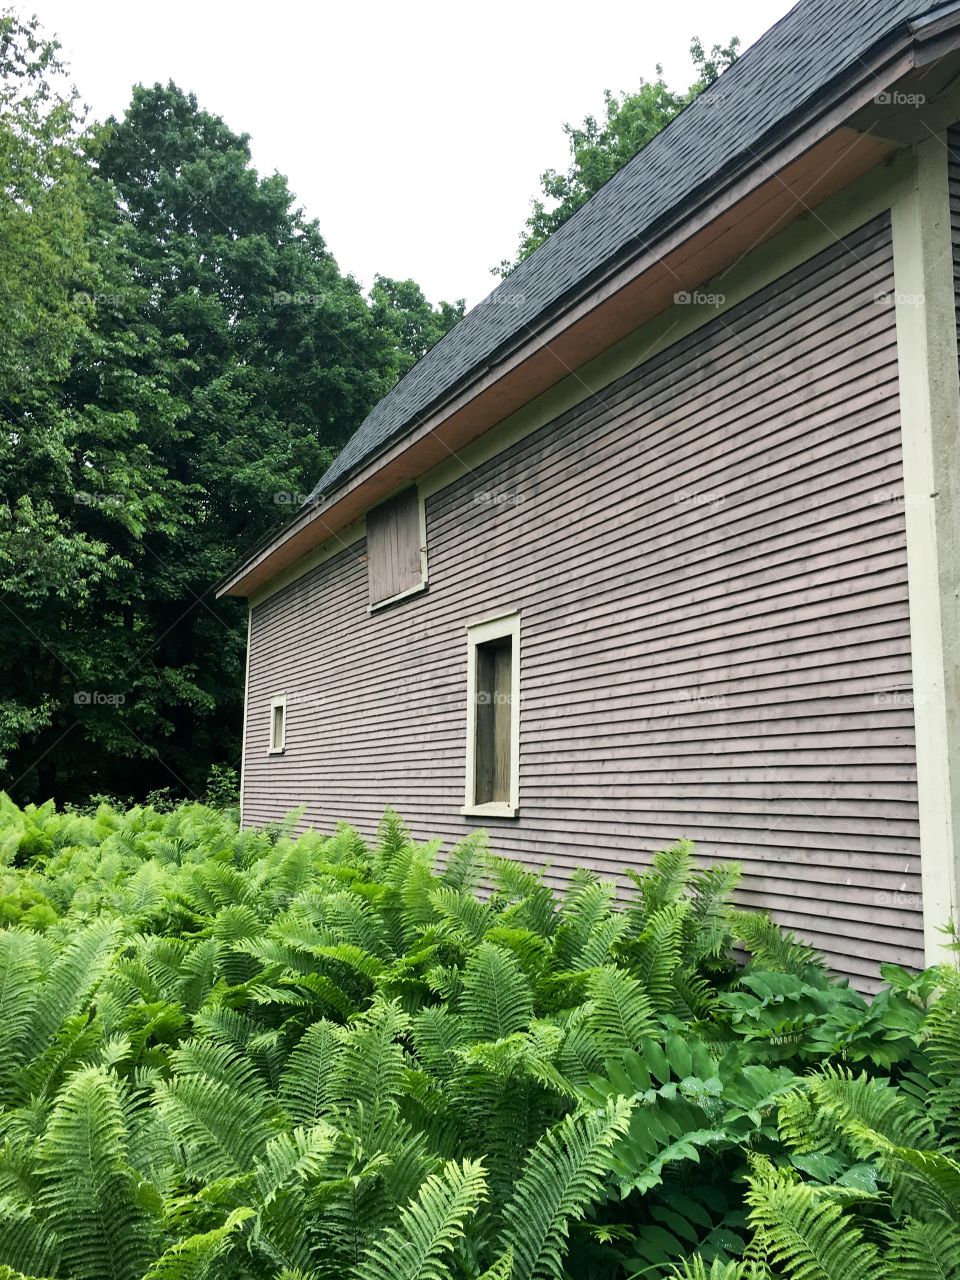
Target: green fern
{"x":201,"y":1256}
{"x":496,"y":1000}
{"x":803,"y":1233}
{"x":924,"y":1250}
{"x":429,"y":1228}
{"x":619,"y":1013}
{"x":92,"y":1200}
{"x":562,"y":1178}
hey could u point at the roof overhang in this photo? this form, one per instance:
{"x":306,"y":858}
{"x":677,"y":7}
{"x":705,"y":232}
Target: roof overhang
{"x":807,"y":159}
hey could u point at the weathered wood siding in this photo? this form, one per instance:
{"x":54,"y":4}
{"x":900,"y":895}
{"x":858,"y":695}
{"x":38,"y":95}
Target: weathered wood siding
{"x":709,"y":556}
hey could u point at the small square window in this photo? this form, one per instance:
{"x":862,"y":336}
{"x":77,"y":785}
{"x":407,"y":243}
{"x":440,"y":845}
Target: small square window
{"x":278,"y":725}
{"x":493,"y":717}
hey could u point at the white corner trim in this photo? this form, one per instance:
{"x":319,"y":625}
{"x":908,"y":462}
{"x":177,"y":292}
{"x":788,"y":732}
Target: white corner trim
{"x":494,"y":628}
{"x":930,"y":417}
{"x":277,"y":749}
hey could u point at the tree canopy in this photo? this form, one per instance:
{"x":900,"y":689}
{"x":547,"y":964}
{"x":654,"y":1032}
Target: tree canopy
{"x":184,"y":360}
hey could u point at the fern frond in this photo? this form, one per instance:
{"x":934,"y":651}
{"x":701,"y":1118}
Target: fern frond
{"x":200,"y":1256}
{"x":91,"y":1199}
{"x":429,"y":1228}
{"x":619,"y":1012}
{"x":496,"y":1000}
{"x":308,"y":1085}
{"x":924,"y":1250}
{"x":462,"y":915}
{"x":589,"y":927}
{"x":664,"y":883}
{"x":28,"y":1242}
{"x":466,"y":861}
{"x":772,"y":947}
{"x":696,"y":1269}
{"x":654,"y":955}
{"x":292,"y":1157}
{"x":371,"y":1060}
{"x":803,"y":1234}
{"x":562,"y":1177}
{"x":437,"y":1035}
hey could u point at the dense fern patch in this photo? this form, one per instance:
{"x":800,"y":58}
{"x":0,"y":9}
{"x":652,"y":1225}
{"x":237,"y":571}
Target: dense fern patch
{"x":242,"y":1055}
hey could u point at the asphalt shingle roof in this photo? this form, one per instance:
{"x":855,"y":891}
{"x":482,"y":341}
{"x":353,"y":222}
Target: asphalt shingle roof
{"x":788,"y":67}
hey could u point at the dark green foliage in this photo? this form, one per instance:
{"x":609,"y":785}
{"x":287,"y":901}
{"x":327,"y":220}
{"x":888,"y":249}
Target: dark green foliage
{"x":180,"y":360}
{"x":244,"y":1056}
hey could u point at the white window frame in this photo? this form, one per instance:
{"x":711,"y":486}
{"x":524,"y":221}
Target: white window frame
{"x":279,"y":700}
{"x":424,"y":575}
{"x":496,"y":628}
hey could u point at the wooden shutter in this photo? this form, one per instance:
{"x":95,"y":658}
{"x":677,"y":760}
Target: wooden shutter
{"x":393,"y":547}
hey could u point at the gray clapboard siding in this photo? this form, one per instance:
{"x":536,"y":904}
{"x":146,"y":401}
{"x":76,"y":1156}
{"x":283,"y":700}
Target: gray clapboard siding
{"x":709,"y":556}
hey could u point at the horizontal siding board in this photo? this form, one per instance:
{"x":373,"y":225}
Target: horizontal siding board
{"x":737,"y":671}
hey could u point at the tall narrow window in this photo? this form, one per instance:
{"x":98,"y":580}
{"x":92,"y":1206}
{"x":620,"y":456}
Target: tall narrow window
{"x":493,"y":717}
{"x":395,"y":554}
{"x":278,"y":725}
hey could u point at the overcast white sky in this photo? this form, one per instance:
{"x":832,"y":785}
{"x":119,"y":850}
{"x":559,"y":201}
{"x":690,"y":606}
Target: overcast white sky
{"x":414,"y":132}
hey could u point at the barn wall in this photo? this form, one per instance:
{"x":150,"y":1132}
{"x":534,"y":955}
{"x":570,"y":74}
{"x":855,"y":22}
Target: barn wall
{"x":709,"y":558}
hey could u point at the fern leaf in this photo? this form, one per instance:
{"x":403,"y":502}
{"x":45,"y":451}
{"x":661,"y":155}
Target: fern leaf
{"x":308,"y":1085}
{"x":429,"y":1228}
{"x":562,"y":1177}
{"x":803,"y":1234}
{"x":620,"y":1012}
{"x":293,"y":1157}
{"x":371,"y":1062}
{"x":924,"y":1250}
{"x":92,"y":1200}
{"x":465,"y":862}
{"x":496,"y":1000}
{"x":199,"y":1257}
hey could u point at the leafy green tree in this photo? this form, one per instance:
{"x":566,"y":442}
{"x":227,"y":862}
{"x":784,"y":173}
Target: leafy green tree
{"x":598,"y":148}
{"x":399,"y":307}
{"x":46,"y":269}
{"x":212,"y":361}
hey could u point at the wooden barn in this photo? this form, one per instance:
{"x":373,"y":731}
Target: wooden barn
{"x":663,"y":538}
